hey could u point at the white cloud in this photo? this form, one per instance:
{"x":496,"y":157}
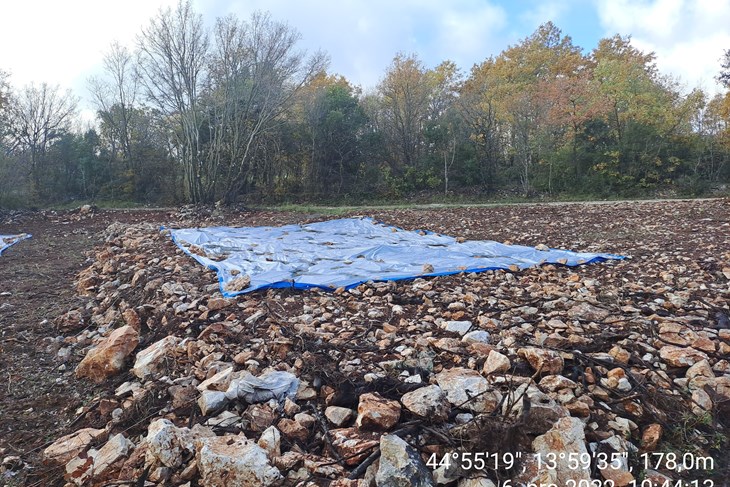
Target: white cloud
{"x":61,"y":42}
{"x":363,"y":37}
{"x":545,"y":11}
{"x":688,"y":37}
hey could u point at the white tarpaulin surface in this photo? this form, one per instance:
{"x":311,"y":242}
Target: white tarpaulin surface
{"x":8,"y":240}
{"x":348,"y":252}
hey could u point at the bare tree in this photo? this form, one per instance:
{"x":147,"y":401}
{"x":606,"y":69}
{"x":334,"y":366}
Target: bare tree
{"x":39,"y":115}
{"x":4,"y":89}
{"x":256,"y":72}
{"x":173,"y":52}
{"x":115,"y":96}
{"x":724,"y":76}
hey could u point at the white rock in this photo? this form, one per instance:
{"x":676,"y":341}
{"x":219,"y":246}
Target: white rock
{"x":218,"y":382}
{"x":109,"y":356}
{"x":224,"y":419}
{"x":211,"y":401}
{"x":428,"y":402}
{"x":234,"y":461}
{"x":95,"y":463}
{"x":552,"y":383}
{"x":700,"y":369}
{"x":338,"y":416}
{"x":270,"y":441}
{"x":477,"y":482}
{"x":496,"y":363}
{"x":467,"y":389}
{"x":150,"y":360}
{"x":401,"y":465}
{"x":460,"y":327}
{"x":566,"y":436}
{"x":476,"y":336}
{"x":164,"y":443}
{"x":67,"y":447}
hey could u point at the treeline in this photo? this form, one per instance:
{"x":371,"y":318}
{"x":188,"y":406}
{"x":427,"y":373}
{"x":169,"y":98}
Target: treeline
{"x":238,"y":112}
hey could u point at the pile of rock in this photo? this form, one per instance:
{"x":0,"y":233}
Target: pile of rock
{"x":379,"y":384}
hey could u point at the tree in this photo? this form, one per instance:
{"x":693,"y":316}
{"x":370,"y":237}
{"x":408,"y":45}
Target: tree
{"x":173,"y":51}
{"x":513,"y":116}
{"x":256,"y":72}
{"x":405,"y":96}
{"x":724,"y":76}
{"x":645,"y":111}
{"x":332,"y":123}
{"x":39,"y":116}
{"x":442,"y":121}
{"x":4,"y":89}
{"x":115,"y":96}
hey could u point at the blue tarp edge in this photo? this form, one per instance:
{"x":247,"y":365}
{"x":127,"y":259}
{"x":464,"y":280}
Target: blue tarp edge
{"x":304,"y":286}
{"x":25,"y":237}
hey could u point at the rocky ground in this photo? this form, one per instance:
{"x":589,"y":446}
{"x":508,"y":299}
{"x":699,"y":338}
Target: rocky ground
{"x":125,"y":366}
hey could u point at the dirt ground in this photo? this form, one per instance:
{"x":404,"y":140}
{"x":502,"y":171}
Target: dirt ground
{"x":40,"y":397}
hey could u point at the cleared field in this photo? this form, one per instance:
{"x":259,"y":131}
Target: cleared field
{"x":625,"y":357}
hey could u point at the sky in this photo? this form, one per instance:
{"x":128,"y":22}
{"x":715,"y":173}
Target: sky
{"x":62,"y":42}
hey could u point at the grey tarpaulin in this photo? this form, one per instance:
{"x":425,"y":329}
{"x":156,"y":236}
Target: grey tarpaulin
{"x":8,"y":240}
{"x":348,"y":252}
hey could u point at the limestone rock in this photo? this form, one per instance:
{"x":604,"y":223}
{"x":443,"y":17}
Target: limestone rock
{"x":376,"y":413}
{"x":293,"y":430}
{"x":270,"y":441}
{"x":476,"y":336}
{"x":215,"y":304}
{"x":338,"y":416}
{"x":544,"y":410}
{"x":65,"y":448}
{"x":165,"y":442}
{"x":588,"y":312}
{"x":401,"y":465}
{"x":353,"y":445}
{"x":460,"y":327}
{"x":211,"y":402}
{"x":552,"y":383}
{"x":109,"y":356}
{"x":98,"y":463}
{"x":428,"y":402}
{"x":150,"y":360}
{"x":466,"y":388}
{"x":651,"y":436}
{"x":496,"y":363}
{"x":700,"y":369}
{"x":132,"y":319}
{"x":546,"y":361}
{"x":234,"y":461}
{"x":218,"y":382}
{"x":475,"y":482}
{"x":566,"y":436}
{"x":681,"y":356}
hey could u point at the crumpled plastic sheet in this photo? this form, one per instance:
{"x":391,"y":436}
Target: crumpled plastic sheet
{"x":6,"y":241}
{"x":348,"y":252}
{"x":269,"y":385}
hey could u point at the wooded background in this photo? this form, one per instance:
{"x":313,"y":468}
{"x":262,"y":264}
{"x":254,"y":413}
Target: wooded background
{"x":238,"y":113}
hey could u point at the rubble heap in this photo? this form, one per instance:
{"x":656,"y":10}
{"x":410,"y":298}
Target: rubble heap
{"x":407,"y":383}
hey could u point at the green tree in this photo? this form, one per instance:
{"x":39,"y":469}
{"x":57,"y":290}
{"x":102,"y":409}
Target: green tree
{"x":405,"y":93}
{"x":333,"y":121}
{"x":645,"y":112}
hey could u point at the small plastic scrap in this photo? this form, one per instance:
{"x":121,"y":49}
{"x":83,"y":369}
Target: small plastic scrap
{"x":269,"y":385}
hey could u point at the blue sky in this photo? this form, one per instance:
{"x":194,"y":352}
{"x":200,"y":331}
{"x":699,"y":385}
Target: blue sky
{"x":62,"y":42}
